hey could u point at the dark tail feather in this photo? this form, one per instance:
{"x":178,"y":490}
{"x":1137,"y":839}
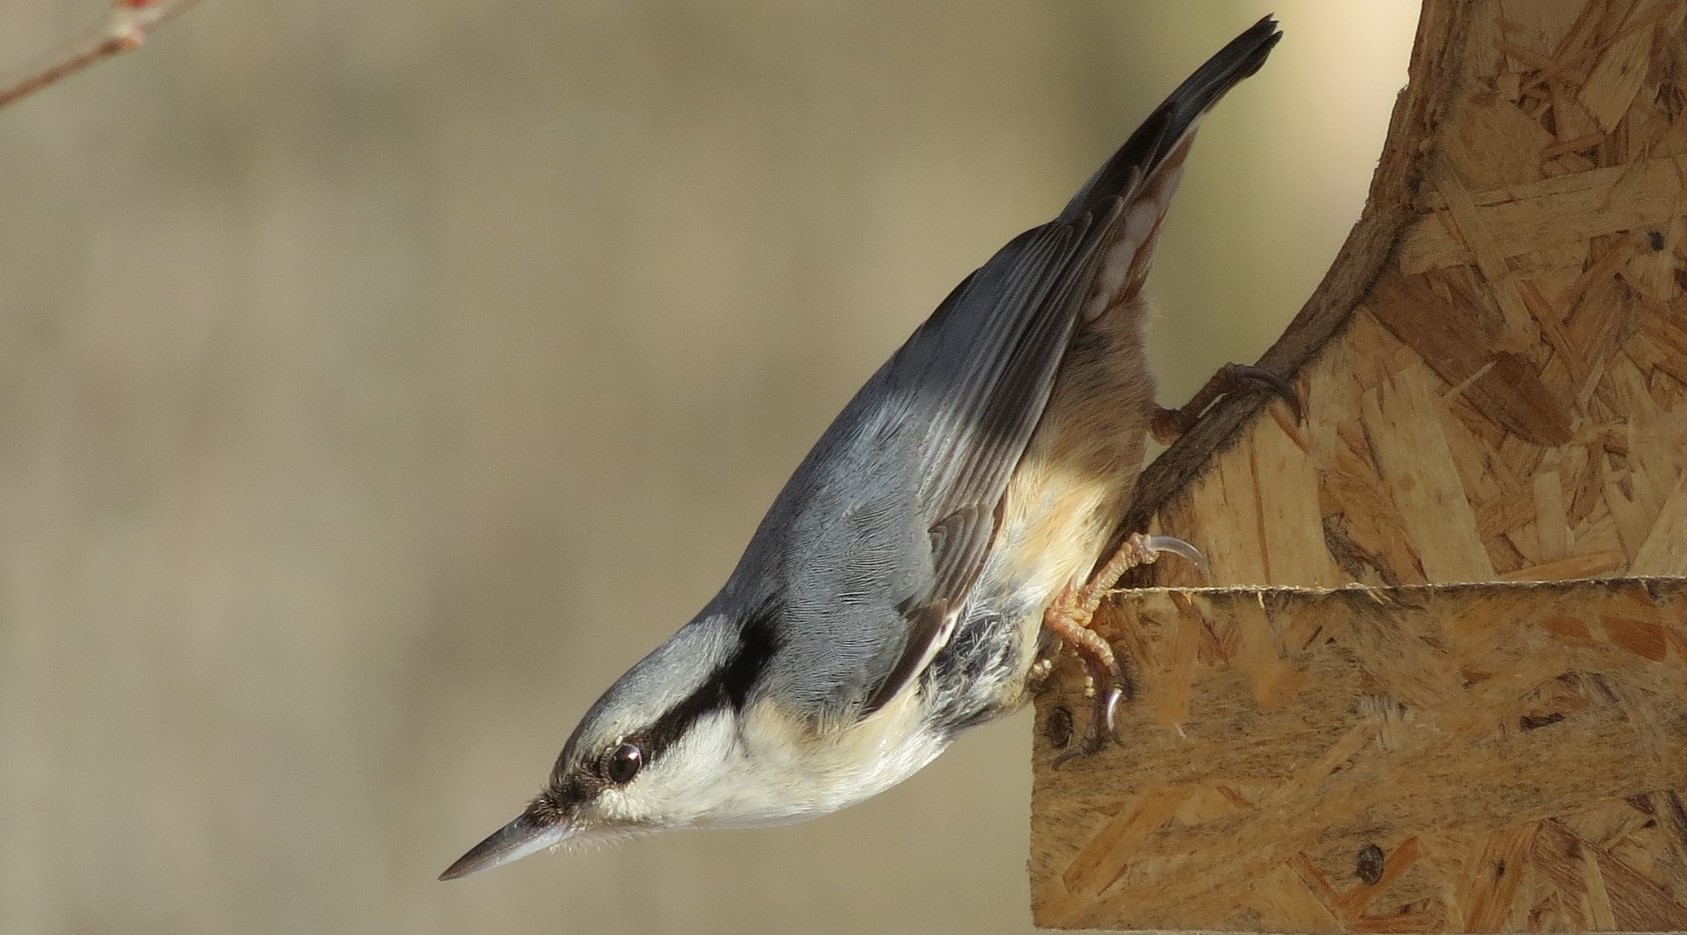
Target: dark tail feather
{"x":1160,"y":134}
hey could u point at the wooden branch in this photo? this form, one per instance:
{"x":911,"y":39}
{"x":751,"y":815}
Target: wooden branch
{"x":1495,"y":380}
{"x":125,"y":26}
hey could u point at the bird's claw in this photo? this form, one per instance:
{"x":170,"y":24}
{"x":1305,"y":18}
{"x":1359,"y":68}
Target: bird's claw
{"x":1069,"y":619}
{"x":1237,"y":374}
{"x":1102,"y":727}
{"x":1170,"y":424}
{"x":1175,"y":546}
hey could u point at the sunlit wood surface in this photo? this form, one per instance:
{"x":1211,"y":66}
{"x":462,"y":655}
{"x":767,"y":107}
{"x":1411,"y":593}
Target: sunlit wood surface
{"x":1495,"y":379}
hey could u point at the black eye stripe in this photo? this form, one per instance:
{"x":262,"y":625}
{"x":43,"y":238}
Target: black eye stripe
{"x":729,"y":686}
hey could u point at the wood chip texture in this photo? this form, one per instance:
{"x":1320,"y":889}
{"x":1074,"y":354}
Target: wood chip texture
{"x":1494,"y":375}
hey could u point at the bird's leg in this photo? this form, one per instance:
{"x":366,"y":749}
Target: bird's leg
{"x":1169,"y":424}
{"x":1069,"y":618}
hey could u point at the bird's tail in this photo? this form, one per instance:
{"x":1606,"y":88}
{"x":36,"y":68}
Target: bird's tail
{"x":1169,"y":128}
{"x":1144,"y":172}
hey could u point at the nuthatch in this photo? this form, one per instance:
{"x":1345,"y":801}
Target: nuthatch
{"x":944,"y":533}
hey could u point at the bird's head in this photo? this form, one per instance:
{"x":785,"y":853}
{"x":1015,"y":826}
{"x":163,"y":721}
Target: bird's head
{"x":683,"y":740}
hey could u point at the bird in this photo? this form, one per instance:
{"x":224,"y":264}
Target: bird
{"x":953,"y":528}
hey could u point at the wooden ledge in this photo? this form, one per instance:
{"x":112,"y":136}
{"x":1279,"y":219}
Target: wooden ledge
{"x":1462,"y":758}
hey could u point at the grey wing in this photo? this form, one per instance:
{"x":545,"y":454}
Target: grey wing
{"x":1019,"y":312}
{"x":873,"y":547}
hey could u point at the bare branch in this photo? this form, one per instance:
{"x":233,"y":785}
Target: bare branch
{"x":125,"y":26}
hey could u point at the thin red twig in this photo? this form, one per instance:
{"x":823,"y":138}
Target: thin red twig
{"x":125,"y":26}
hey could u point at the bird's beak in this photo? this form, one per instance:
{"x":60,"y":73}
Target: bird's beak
{"x":521,"y":837}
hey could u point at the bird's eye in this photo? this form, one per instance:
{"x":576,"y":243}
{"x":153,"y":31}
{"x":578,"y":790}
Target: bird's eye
{"x":623,"y":763}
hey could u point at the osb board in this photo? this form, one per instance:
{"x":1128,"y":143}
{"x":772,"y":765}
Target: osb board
{"x":1494,"y":375}
{"x":1509,"y":396}
{"x":1465,"y":758}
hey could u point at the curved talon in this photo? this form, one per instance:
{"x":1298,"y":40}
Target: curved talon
{"x":1179,"y":548}
{"x":1090,"y":746}
{"x":1109,"y":710}
{"x":1101,"y":728}
{"x":1270,"y":381}
{"x":1167,"y":425}
{"x":1072,"y":754}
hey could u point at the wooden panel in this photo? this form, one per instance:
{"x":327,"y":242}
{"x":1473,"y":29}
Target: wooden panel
{"x":1494,"y":375}
{"x":1477,"y":758}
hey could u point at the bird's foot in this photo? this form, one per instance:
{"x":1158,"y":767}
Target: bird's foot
{"x":1169,"y":424}
{"x":1070,"y":616}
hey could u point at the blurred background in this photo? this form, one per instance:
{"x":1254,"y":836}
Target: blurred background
{"x":378,"y":380}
